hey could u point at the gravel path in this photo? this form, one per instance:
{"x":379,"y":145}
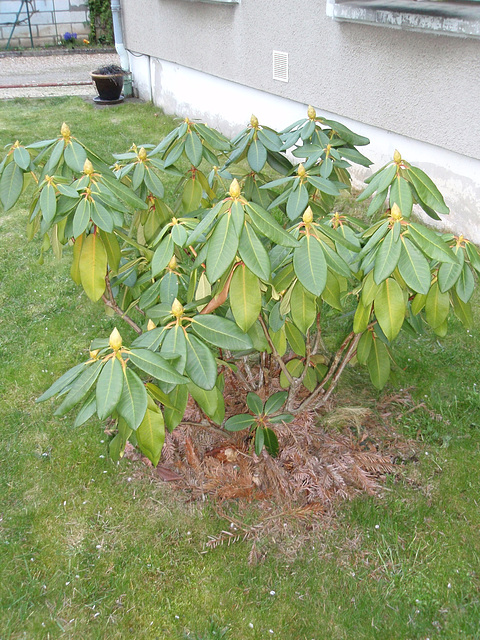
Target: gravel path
{"x":31,"y":71}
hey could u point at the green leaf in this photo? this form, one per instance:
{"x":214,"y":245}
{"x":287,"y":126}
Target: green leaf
{"x":364,"y":345}
{"x":369,"y":289}
{"x":279,"y":341}
{"x":389,"y":308}
{"x":80,"y":387}
{"x":109,"y":388}
{"x":253,"y":253}
{"x":238,"y":216}
{"x":427,"y":191}
{"x":269,"y":227}
{"x":155,"y":365}
{"x":175,"y":342}
{"x":378,"y":364}
{"x":150,"y":435}
{"x":153,"y":183}
{"x":414,"y":268}
{"x":215,"y":139}
{"x":310,"y":265}
{"x":193,"y":148}
{"x":162,"y":256}
{"x":297,"y":202}
{"x":331,"y":293}
{"x":101,"y":217}
{"x":179,"y":235}
{"x":463,"y":311}
{"x":418,"y":303}
{"x":431,"y":243}
{"x":295,"y":339}
{"x":116,"y":447}
{"x":207,"y":400}
{"x":48,"y":202}
{"x":401,"y":195}
{"x":222,"y":248}
{"x":11,"y":185}
{"x":192,"y":195}
{"x":221,"y":332}
{"x":138,"y":175}
{"x":239,"y":422}
{"x":465,"y":284}
{"x":93,"y":266}
{"x":112,"y":248}
{"x":133,"y":401}
{"x":257,"y":155}
{"x":449,"y":272}
{"x":245,"y":297}
{"x":75,"y":156}
{"x":361,"y":317}
{"x":303,"y":307}
{"x":270,"y":139}
{"x":87,"y":410}
{"x":150,"y":339}
{"x":124,"y":193}
{"x":382,"y":180}
{"x":324,"y":185}
{"x":271,"y":442}
{"x":437,"y":306}
{"x":294,"y":368}
{"x":21,"y":157}
{"x":387,"y":257}
{"x":254,"y":403}
{"x":81,"y":217}
{"x":285,"y":417}
{"x":275,"y":402}
{"x":259,"y":440}
{"x":201,"y":366}
{"x":473,"y":256}
{"x":62,"y":383}
{"x":173,"y":414}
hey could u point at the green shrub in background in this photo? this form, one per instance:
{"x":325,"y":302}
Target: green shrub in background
{"x":226,"y":285}
{"x":101,"y":23}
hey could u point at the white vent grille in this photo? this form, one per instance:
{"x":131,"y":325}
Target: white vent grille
{"x":280,"y":66}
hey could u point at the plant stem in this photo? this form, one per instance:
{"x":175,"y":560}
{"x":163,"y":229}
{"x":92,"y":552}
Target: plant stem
{"x":274,"y":351}
{"x":110,"y":302}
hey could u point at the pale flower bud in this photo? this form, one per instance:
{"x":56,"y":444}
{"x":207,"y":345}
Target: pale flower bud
{"x":87,"y":167}
{"x":308,"y":216}
{"x":115,"y":340}
{"x":94,"y":354}
{"x":151,"y":325}
{"x":301,"y":170}
{"x":254,"y":121}
{"x":177,"y":309}
{"x":397,"y":157}
{"x":142,"y":154}
{"x":395,"y":212}
{"x":173,"y":263}
{"x":234,"y":190}
{"x":311,"y":113}
{"x":65,"y":130}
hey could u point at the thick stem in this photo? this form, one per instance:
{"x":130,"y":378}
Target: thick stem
{"x":298,"y":381}
{"x":110,"y":302}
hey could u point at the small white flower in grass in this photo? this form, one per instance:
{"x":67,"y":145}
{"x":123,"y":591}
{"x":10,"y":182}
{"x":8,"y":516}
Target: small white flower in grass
{"x":67,"y":583}
{"x":96,"y":614}
{"x":250,"y":624}
{"x":98,"y":546}
{"x":449,"y":586}
{"x":177,"y":617}
{"x":426,"y":453}
{"x":377,"y":526}
{"x":129,"y":479}
{"x":272,"y":593}
{"x":105,"y":472}
{"x":102,"y":441}
{"x":270,"y":631}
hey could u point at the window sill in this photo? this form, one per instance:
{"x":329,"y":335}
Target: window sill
{"x":452,"y":18}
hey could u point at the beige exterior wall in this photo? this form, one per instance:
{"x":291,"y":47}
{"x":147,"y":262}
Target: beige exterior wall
{"x":421,"y":85}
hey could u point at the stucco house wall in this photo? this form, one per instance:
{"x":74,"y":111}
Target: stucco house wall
{"x":49,"y":19}
{"x":417,"y":90}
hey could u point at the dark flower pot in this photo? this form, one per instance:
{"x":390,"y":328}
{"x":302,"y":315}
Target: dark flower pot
{"x":109,"y":87}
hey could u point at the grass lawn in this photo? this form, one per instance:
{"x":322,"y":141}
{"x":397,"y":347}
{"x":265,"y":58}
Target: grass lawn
{"x":90,"y":549}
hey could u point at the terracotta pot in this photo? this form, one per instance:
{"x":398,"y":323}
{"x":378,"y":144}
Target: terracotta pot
{"x":109,"y":87}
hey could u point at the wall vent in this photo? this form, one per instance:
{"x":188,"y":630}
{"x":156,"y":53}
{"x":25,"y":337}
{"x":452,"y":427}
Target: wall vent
{"x":280,"y":66}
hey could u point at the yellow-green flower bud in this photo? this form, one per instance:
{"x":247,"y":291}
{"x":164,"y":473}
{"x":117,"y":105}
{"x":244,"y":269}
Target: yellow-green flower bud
{"x":311,"y":113}
{"x":301,"y":170}
{"x":115,"y":340}
{"x":308,"y":216}
{"x":142,"y":154}
{"x":173,"y":263}
{"x":254,"y":121}
{"x":151,"y":325}
{"x":395,"y":212}
{"x":177,"y":309}
{"x":65,"y":131}
{"x":234,"y":190}
{"x":397,"y":157}
{"x":94,"y":354}
{"x":87,"y":167}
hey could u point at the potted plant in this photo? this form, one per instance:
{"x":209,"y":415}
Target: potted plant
{"x":109,"y":83}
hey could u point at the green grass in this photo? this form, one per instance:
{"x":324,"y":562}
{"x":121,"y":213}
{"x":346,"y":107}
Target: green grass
{"x":90,"y":549}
